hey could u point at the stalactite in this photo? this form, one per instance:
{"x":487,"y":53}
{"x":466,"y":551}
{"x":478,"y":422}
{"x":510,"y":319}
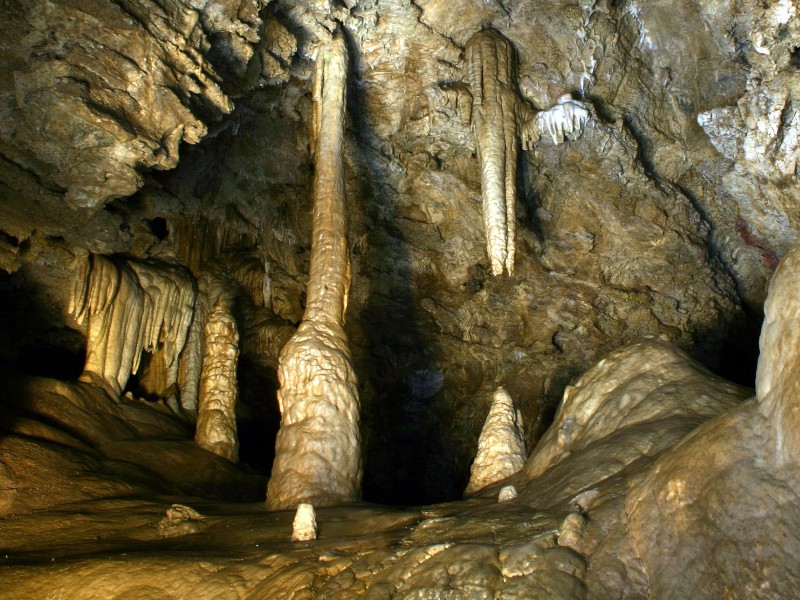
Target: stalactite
{"x":191,"y":363}
{"x":216,"y":405}
{"x":132,"y":307}
{"x":491,"y":67}
{"x":499,"y":117}
{"x":501,"y":447}
{"x":317,"y":451}
{"x":778,"y":374}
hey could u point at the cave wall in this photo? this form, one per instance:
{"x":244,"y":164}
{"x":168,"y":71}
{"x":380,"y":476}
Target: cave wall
{"x":181,"y":131}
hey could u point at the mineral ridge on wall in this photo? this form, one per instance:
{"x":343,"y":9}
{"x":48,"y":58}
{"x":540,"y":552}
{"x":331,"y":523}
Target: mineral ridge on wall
{"x":317,"y":451}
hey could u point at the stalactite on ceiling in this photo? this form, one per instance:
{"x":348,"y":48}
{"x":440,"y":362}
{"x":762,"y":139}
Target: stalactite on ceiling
{"x":499,"y":117}
{"x":317,"y":451}
{"x":501,"y":447}
{"x":218,"y":389}
{"x":131,"y":307}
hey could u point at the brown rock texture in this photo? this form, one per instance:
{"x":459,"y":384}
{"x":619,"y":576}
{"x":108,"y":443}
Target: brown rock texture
{"x":175,"y":142}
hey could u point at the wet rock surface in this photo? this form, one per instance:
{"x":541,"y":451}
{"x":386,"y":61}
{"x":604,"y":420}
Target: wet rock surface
{"x":179,"y":135}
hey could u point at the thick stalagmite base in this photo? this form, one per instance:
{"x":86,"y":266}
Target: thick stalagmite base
{"x":318,"y":447}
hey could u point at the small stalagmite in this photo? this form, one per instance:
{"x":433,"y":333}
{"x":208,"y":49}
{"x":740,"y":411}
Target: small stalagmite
{"x":501,"y":447}
{"x":317,"y":450}
{"x":304,"y":526}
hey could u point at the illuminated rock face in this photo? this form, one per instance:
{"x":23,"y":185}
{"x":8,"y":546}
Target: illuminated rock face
{"x":727,"y":495}
{"x":131,"y":307}
{"x":216,"y":416}
{"x":778,"y":375}
{"x":317,"y":451}
{"x":501,"y":447}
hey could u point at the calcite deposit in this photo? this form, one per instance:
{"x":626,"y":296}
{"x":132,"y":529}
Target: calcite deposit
{"x":318,"y":449}
{"x":278,"y":285}
{"x":501,"y":446}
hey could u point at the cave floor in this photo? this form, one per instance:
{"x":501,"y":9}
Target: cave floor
{"x":115,"y":548}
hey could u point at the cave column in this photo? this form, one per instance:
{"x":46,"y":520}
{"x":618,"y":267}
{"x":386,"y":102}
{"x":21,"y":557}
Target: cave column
{"x":317,"y":450}
{"x":218,"y":389}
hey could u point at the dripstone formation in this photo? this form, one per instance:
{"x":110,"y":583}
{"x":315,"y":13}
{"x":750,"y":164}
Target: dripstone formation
{"x":287,"y":313}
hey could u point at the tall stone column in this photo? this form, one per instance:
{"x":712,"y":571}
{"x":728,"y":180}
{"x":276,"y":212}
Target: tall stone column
{"x":317,"y":451}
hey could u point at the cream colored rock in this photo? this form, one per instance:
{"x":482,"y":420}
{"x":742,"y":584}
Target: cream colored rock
{"x":317,"y":450}
{"x":507,"y":492}
{"x":496,"y":116}
{"x":634,"y":384}
{"x":778,"y":374}
{"x":131,"y":307}
{"x":499,"y":117}
{"x":180,"y":520}
{"x":501,"y":447}
{"x":304,"y":526}
{"x":216,"y":415}
{"x":572,"y":531}
{"x":566,"y":120}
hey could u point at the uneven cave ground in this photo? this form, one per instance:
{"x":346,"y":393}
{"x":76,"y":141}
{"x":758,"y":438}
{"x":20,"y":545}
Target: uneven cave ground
{"x":158,"y":134}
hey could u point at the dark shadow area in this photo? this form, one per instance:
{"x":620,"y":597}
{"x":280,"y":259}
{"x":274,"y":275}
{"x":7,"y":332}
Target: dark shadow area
{"x":257,"y":416}
{"x":50,"y":361}
{"x":407,"y":453}
{"x":33,"y":338}
{"x":731,"y":350}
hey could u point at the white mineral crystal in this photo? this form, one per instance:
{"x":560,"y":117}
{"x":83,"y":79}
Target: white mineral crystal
{"x":304,"y":527}
{"x":565,"y":120}
{"x":501,"y":447}
{"x":507,"y":492}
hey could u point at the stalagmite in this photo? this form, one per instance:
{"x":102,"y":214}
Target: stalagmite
{"x":501,"y":447}
{"x":499,"y":117}
{"x":216,"y":414}
{"x":317,"y":451}
{"x":304,"y":526}
{"x":131,"y":307}
{"x":507,"y":492}
{"x":778,"y":374}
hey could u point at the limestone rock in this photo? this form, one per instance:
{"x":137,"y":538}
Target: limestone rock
{"x":304,"y":526}
{"x":501,"y":447}
{"x":216,"y":403}
{"x":180,"y":520}
{"x":318,"y":450}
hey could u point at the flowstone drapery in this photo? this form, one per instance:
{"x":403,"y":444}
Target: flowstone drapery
{"x":131,"y":307}
{"x":317,"y":450}
{"x":499,"y":117}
